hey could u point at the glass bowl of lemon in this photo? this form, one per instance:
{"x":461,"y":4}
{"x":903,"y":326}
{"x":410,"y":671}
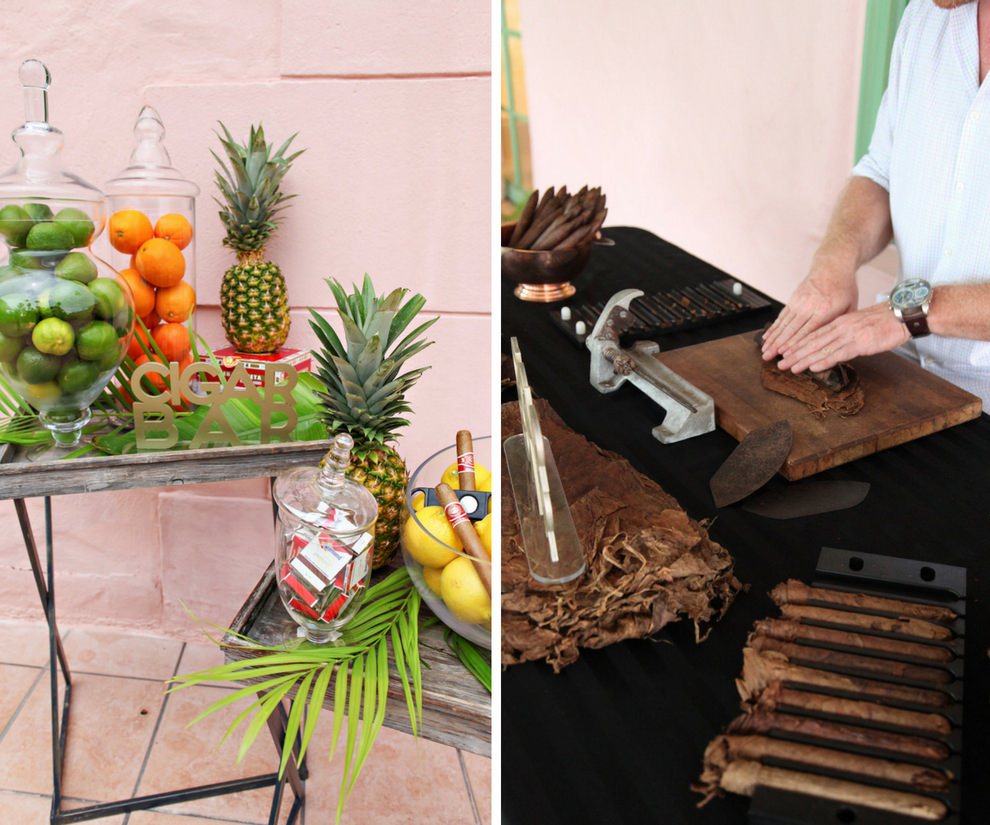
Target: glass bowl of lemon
{"x":444,"y":573}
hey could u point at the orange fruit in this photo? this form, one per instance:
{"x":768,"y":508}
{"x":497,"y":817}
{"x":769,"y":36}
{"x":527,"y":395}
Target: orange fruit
{"x":134,"y":350}
{"x":143,"y":292}
{"x":175,"y":228}
{"x":128,"y":229}
{"x":175,"y":303}
{"x":151,"y":320}
{"x":160,"y":262}
{"x":173,"y":340}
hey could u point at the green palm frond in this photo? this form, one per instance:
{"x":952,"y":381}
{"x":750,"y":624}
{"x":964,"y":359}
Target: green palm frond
{"x":388,"y":621}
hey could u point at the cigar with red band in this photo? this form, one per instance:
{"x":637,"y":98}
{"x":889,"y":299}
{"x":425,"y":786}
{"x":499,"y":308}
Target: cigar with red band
{"x":465,"y":460}
{"x":469,"y":537}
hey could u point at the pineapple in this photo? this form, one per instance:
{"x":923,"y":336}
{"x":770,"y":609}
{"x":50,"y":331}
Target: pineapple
{"x":254,"y":303}
{"x":365,"y":394}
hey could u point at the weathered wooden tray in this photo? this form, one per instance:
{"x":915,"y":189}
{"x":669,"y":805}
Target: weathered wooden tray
{"x":457,"y":710}
{"x":23,"y":479}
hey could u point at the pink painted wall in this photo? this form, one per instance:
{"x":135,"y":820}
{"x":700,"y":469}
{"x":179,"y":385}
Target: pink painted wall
{"x":392,"y":103}
{"x":726,"y":128}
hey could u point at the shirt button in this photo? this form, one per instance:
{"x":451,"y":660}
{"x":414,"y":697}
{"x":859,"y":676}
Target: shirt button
{"x":948,"y":252}
{"x":960,"y":187}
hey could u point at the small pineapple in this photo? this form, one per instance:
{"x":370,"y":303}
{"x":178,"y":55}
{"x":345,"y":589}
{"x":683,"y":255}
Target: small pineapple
{"x":254,"y":303}
{"x":365,"y":394}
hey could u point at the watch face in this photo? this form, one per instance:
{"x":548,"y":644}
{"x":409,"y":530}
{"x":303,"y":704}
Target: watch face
{"x":910,"y":294}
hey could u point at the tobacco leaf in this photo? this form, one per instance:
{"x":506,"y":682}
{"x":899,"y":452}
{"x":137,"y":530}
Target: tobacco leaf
{"x":647,"y":562}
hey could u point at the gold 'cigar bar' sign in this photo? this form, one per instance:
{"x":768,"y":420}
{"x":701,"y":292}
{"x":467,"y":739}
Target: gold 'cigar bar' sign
{"x":154,"y":416}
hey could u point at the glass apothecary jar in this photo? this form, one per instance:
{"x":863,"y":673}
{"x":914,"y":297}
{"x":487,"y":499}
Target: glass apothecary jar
{"x":323,"y":544}
{"x":151,"y":230}
{"x":66,"y":317}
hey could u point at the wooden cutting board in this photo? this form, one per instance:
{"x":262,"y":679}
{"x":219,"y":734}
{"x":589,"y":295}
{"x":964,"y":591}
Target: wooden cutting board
{"x":903,"y":402}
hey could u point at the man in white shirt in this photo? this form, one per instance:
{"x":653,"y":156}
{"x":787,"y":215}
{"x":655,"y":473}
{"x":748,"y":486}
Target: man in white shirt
{"x":925,"y":183}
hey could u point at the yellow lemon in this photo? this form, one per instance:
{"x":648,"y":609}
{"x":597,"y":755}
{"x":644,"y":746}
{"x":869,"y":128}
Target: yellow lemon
{"x":463,"y":592}
{"x":418,"y":501}
{"x":430,"y":540}
{"x":484,"y":530}
{"x":482,"y":477}
{"x":432,"y":576}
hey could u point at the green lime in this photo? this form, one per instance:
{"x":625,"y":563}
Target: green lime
{"x":78,"y":223}
{"x":75,"y":376}
{"x":123,"y":321}
{"x":112,"y":359}
{"x":54,"y":336}
{"x":68,"y":300}
{"x":49,"y":236}
{"x":76,"y":266}
{"x":42,"y":394}
{"x":18,"y":314}
{"x":9,"y":347}
{"x":14,"y":224}
{"x":110,"y":298}
{"x":38,"y":212}
{"x":95,"y":340}
{"x":37,"y":367}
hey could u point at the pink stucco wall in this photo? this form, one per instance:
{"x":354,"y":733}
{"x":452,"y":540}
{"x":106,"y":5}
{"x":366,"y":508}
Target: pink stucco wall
{"x":726,"y":128}
{"x":392,"y":103}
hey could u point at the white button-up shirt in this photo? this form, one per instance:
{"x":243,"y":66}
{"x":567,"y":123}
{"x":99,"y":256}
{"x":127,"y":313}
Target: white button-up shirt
{"x":931,"y":151}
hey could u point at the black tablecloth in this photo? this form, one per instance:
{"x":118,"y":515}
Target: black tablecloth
{"x":619,"y":735}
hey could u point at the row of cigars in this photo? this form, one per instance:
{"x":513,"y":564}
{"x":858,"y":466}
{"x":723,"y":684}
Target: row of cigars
{"x":849,"y":697}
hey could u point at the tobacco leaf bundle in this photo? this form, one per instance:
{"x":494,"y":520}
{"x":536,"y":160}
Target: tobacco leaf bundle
{"x":558,"y":219}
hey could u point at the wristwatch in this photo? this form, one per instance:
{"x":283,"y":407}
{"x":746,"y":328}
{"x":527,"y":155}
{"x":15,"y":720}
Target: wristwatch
{"x":910,"y":301}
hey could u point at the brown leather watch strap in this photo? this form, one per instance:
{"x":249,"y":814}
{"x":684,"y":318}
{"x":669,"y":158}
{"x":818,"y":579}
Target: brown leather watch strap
{"x":917,"y":324}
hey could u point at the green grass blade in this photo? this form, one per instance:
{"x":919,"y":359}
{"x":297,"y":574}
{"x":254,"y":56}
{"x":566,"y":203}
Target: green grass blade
{"x":271,"y":701}
{"x":339,"y":705}
{"x":236,"y":696}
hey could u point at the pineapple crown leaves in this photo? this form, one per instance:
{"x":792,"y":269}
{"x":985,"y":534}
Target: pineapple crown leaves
{"x":365,"y":392}
{"x":249,"y":183}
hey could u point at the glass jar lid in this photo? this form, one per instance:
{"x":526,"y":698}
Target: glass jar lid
{"x":150,"y":170}
{"x":38,"y":174}
{"x":323,"y":497}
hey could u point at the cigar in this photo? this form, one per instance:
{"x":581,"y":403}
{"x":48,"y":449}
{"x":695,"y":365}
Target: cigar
{"x":466,"y":533}
{"x":760,"y":669}
{"x":465,"y":460}
{"x":563,"y":226}
{"x":794,"y":631}
{"x":919,"y":628}
{"x":525,"y":217}
{"x":541,"y":220}
{"x":724,"y":749}
{"x":797,"y":592}
{"x":743,"y":776}
{"x":823,"y":657}
{"x":906,"y":745}
{"x":776,"y":696}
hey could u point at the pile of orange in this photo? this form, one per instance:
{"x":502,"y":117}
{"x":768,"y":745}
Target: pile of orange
{"x":162,"y":298}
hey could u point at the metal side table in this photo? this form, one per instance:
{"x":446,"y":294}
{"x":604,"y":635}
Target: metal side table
{"x":20,"y":480}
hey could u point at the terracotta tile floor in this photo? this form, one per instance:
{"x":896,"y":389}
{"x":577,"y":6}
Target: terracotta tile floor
{"x":127,"y":738}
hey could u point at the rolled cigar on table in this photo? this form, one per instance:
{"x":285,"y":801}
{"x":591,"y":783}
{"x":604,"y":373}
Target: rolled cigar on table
{"x":724,"y":749}
{"x":743,"y":776}
{"x":920,"y":628}
{"x":766,"y":722}
{"x":762,"y":668}
{"x":797,"y":592}
{"x":525,"y":217}
{"x":778,"y":697}
{"x":795,"y":631}
{"x":560,"y":229}
{"x":465,"y":460}
{"x":466,"y":533}
{"x":805,"y":654}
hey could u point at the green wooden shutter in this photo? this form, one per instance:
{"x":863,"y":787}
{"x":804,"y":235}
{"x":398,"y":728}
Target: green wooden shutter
{"x":514,"y":187}
{"x":882,"y":17}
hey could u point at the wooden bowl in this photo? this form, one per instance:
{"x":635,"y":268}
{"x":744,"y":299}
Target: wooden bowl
{"x":543,"y":275}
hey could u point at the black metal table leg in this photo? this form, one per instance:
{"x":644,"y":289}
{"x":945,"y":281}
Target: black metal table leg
{"x":45,"y":583}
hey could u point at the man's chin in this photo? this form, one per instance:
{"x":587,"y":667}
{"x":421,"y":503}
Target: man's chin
{"x":951,"y":4}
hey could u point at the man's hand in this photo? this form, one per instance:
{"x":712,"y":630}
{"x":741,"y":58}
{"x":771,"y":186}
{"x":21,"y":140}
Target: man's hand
{"x":821,"y":297}
{"x":865,"y":332}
